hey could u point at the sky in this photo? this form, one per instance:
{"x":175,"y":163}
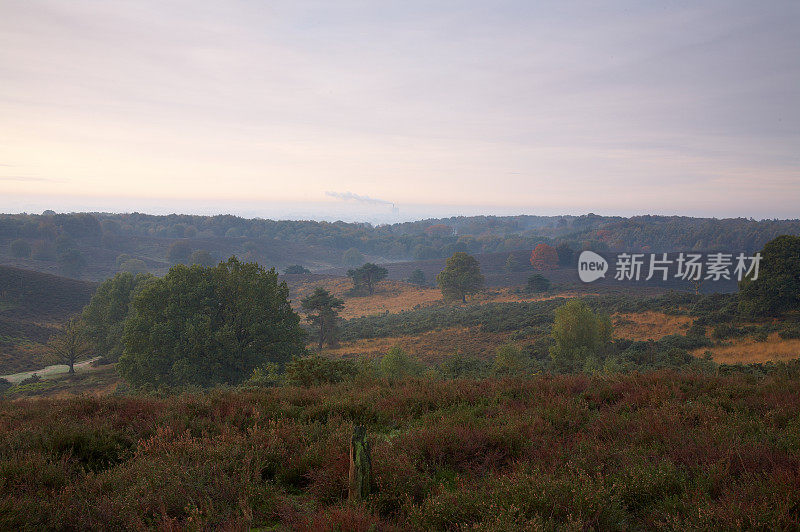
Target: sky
{"x":382,"y":110}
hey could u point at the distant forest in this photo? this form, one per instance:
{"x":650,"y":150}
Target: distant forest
{"x":95,"y":245}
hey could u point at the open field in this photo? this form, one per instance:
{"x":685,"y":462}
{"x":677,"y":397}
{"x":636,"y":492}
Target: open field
{"x":662,"y":450}
{"x":649,"y":325}
{"x":749,"y":351}
{"x":88,"y":380}
{"x":430,"y":347}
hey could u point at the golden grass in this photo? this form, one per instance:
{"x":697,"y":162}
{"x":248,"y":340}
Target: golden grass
{"x":389,"y":296}
{"x":649,"y":325}
{"x":431,"y":346}
{"x":747,"y":350}
{"x":396,"y":296}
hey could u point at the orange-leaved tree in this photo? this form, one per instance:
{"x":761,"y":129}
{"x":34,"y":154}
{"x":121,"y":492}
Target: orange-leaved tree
{"x":544,"y":257}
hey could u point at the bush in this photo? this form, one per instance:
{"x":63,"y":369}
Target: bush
{"x":510,"y":360}
{"x":4,"y":385}
{"x":396,"y":364}
{"x":296,"y":269}
{"x":538,"y":283}
{"x":34,"y":378}
{"x":315,"y":370}
{"x":790,"y":331}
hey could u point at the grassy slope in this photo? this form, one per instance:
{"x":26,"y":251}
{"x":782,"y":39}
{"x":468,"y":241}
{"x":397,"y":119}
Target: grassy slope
{"x":33,"y":304}
{"x":612,"y":453}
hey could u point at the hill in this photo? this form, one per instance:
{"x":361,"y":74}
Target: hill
{"x":95,"y":245}
{"x":32,"y":305}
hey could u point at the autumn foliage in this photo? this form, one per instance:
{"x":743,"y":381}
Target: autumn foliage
{"x":544,"y":257}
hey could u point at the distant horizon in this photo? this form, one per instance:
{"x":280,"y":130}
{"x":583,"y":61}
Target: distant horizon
{"x":330,"y":211}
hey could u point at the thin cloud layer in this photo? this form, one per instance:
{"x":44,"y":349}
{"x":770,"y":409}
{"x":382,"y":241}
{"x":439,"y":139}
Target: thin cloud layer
{"x":542,"y":107}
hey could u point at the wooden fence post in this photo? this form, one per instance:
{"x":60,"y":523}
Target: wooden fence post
{"x":360,"y":466}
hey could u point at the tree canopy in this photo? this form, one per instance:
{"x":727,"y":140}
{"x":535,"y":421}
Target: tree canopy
{"x":579,"y":335}
{"x":544,"y":257}
{"x":208,"y":325}
{"x":776,"y":291}
{"x":461,"y":277}
{"x":103,"y":319}
{"x":365,"y":277}
{"x":323,"y":308}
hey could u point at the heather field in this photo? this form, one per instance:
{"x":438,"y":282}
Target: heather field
{"x":642,"y":451}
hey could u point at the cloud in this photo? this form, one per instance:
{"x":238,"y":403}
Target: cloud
{"x":349,"y":196}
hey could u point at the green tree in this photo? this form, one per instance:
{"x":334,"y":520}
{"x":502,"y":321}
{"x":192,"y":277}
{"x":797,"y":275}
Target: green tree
{"x":565,"y":254}
{"x":512,"y":264}
{"x":352,"y":257}
{"x":538,"y":283}
{"x":134,"y":266}
{"x":69,"y":345}
{"x":72,"y":262}
{"x":20,"y":249}
{"x":461,"y":277}
{"x":296,"y":269}
{"x":417,"y":277}
{"x":367,"y":276}
{"x":776,"y":291}
{"x":179,"y":252}
{"x":396,"y":364}
{"x":580,"y":335}
{"x":202,"y":257}
{"x":509,"y":359}
{"x":43,"y":250}
{"x":323,"y":312}
{"x":104,"y":317}
{"x":204,"y":326}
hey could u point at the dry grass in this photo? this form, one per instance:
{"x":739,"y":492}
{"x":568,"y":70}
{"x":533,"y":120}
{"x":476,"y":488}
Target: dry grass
{"x":431,"y":347}
{"x":396,"y":296}
{"x":649,"y":325}
{"x":389,"y":296}
{"x":747,"y":351}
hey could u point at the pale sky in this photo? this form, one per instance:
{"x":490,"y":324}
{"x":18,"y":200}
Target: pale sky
{"x":445,"y":107}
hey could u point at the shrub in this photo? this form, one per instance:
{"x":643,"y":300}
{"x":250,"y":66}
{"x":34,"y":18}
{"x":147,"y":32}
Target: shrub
{"x":510,"y":360}
{"x":396,"y":364}
{"x":790,"y":331}
{"x":315,"y":370}
{"x":537,"y":283}
{"x":34,"y":378}
{"x":296,"y":269}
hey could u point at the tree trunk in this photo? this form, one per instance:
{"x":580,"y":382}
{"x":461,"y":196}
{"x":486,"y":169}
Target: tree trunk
{"x":321,"y":333}
{"x":360,"y":478}
{"x":71,"y":366}
{"x":463,"y":298}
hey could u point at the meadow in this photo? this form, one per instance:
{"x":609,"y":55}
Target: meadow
{"x":660,"y":450}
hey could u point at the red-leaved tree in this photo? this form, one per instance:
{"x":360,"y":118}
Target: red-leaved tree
{"x":544,"y":257}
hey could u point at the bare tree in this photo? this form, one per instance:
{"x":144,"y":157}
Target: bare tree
{"x":70,"y":344}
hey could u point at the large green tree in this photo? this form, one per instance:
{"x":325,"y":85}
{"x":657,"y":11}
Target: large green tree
{"x":367,"y":276}
{"x":776,"y":291}
{"x":323,"y":312}
{"x":208,"y":325}
{"x":461,"y":277}
{"x":103,"y":319}
{"x":580,"y":335}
